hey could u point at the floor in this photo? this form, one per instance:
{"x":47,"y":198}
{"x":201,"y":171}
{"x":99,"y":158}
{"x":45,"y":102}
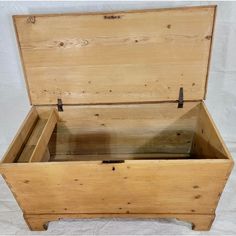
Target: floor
{"x":12,"y":222}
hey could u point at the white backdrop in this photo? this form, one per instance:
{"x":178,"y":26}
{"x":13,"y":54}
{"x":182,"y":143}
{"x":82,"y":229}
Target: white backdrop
{"x":14,"y":105}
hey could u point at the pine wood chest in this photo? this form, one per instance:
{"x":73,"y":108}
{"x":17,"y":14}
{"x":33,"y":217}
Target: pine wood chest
{"x":118,"y":125}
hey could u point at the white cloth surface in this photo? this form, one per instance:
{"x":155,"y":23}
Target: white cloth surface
{"x":221,"y":100}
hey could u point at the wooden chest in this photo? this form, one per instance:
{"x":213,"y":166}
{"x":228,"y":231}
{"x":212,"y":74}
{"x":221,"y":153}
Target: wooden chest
{"x":118,"y":125}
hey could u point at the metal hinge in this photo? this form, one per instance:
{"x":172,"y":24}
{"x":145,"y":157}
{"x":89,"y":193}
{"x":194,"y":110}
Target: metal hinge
{"x":59,"y":105}
{"x":181,"y":98}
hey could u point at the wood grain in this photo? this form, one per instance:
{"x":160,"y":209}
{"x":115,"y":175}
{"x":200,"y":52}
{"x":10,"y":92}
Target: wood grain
{"x":131,"y":156}
{"x":207,"y":140}
{"x":123,"y":129}
{"x":111,"y":60}
{"x":21,"y":137}
{"x":116,"y":57}
{"x":32,"y":141}
{"x":136,"y":186}
{"x":41,"y":145}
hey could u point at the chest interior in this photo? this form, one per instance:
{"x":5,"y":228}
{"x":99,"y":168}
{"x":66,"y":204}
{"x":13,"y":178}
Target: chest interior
{"x":122,"y":132}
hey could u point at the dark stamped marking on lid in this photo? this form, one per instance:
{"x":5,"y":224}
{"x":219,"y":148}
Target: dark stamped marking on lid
{"x":112,"y":17}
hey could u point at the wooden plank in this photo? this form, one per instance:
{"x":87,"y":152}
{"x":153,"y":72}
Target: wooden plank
{"x":134,"y":57}
{"x":210,"y":53}
{"x":131,"y":156}
{"x":21,"y":137}
{"x":41,"y":146}
{"x":123,"y":129}
{"x":133,"y":187}
{"x":32,"y":141}
{"x":128,"y":156}
{"x":207,"y":139}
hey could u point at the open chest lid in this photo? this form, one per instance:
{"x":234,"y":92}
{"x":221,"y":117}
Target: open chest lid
{"x":125,"y":57}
